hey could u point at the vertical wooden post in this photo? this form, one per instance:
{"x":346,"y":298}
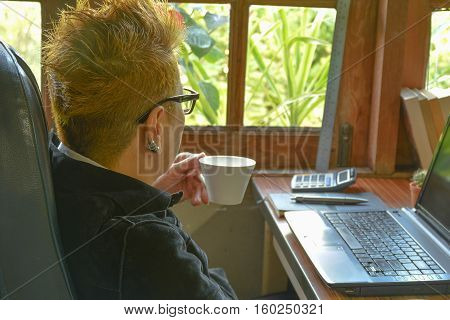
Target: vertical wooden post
{"x":356,"y":80}
{"x":415,"y":63}
{"x":387,"y":83}
{"x":237,"y":62}
{"x":417,"y":44}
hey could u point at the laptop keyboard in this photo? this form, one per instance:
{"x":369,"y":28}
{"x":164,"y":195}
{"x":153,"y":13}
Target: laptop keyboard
{"x":381,"y":245}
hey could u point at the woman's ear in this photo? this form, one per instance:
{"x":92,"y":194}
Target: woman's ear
{"x":154,"y":123}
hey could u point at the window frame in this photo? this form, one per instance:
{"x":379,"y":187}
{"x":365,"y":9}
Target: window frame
{"x":234,"y":136}
{"x":237,"y":61}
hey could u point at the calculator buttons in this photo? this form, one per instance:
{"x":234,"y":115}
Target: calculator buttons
{"x":323,"y":181}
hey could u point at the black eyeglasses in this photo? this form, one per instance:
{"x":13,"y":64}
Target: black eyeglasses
{"x":187,"y":101}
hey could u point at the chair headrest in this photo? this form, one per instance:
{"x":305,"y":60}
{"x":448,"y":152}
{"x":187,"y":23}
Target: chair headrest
{"x":30,"y":250}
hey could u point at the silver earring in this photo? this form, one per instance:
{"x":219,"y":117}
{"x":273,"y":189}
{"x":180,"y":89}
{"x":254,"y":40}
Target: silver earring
{"x":153,"y":147}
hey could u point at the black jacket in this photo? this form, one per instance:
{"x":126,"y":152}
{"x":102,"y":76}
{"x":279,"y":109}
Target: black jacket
{"x":122,"y":241}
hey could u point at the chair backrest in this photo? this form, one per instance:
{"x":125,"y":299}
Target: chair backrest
{"x":31,"y":265}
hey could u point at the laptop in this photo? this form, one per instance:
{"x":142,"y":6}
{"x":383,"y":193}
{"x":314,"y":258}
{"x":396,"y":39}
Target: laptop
{"x":389,"y":251}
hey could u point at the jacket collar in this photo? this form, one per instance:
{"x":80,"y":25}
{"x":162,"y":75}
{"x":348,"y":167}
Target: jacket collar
{"x":132,"y":195}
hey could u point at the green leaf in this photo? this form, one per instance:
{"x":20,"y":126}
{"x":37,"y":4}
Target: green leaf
{"x":255,"y":89}
{"x":214,"y":21}
{"x":262,"y":67}
{"x":307,"y":109}
{"x":200,"y":69}
{"x":309,"y":40}
{"x":199,"y":40}
{"x":308,"y":57}
{"x":288,"y":67}
{"x":204,"y":106}
{"x":211,"y":94}
{"x":214,"y":55}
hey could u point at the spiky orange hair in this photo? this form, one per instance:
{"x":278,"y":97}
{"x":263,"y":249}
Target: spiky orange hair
{"x":105,"y":67}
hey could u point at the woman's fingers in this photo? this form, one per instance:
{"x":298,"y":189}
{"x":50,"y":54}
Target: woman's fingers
{"x":193,"y":173}
{"x":188,"y":190}
{"x":186,"y":169}
{"x":205,"y":198}
{"x":194,"y":187}
{"x":187,"y":164}
{"x":197,"y":179}
{"x":181,"y":156}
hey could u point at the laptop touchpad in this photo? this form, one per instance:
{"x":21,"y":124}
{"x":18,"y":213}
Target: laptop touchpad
{"x":327,"y":237}
{"x":310,"y":225}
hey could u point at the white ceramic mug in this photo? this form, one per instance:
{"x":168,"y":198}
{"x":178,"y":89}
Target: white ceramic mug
{"x":226,"y":178}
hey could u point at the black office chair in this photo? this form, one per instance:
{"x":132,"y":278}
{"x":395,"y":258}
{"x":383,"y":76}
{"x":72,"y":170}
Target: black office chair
{"x":30,"y":251}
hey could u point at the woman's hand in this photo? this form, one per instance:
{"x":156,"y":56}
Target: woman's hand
{"x":184,"y":175}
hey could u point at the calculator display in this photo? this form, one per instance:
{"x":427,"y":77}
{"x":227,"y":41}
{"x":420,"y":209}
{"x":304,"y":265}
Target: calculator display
{"x":342,"y":176}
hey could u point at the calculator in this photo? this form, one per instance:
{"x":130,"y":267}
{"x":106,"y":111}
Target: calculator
{"x":323,"y":182}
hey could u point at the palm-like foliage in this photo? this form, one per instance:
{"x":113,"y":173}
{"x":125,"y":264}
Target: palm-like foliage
{"x":288,"y":61}
{"x":203,"y":59}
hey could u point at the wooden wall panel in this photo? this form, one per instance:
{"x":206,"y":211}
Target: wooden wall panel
{"x":293,"y":151}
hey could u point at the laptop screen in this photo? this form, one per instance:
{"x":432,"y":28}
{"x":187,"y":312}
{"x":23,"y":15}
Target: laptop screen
{"x":434,"y":200}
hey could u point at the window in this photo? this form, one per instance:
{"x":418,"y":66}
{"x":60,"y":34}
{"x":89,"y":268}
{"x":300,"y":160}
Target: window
{"x":439,"y":59}
{"x":262,"y":67}
{"x":288,"y":58}
{"x":20,"y":27}
{"x":204,"y":59}
{"x":288,"y":52}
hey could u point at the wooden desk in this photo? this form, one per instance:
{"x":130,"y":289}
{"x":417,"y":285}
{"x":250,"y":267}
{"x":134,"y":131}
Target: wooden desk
{"x":301,"y":272}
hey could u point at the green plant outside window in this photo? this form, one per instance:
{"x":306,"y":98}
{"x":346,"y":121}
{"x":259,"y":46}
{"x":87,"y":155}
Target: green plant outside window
{"x":20,"y":27}
{"x":204,"y":60}
{"x":439,"y":59}
{"x":288,"y":57}
{"x":289,"y":52}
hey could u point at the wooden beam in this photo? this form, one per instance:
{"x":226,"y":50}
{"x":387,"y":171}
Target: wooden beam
{"x":417,"y":44}
{"x":277,"y":149}
{"x":415,"y":64}
{"x":440,"y":4}
{"x":239,"y":16}
{"x":356,"y":80}
{"x":295,"y":3}
{"x":387,"y":83}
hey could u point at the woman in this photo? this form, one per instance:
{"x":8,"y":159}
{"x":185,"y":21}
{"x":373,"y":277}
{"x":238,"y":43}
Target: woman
{"x":119,"y":110}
